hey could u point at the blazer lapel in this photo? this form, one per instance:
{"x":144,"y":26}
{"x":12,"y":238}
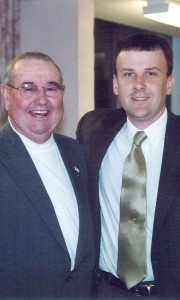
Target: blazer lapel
{"x":17,"y":160}
{"x":77,"y":175}
{"x":170,"y":172}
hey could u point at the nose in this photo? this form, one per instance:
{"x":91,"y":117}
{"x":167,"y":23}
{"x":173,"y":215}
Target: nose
{"x":139,"y":83}
{"x":41,"y":97}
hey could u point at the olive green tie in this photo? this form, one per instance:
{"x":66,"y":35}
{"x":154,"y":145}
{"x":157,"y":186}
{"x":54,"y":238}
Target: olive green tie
{"x":131,"y":266}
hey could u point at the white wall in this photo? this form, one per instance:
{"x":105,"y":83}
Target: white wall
{"x":64,"y":29}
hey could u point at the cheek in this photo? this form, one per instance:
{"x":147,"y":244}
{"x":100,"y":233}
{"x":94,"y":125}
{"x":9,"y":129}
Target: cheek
{"x":58,"y":105}
{"x":124,"y":91}
{"x":16,"y":107}
{"x":161,"y":89}
{"x":58,"y":108}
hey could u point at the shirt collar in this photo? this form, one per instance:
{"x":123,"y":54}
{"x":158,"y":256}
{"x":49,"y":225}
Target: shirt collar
{"x":155,"y":132}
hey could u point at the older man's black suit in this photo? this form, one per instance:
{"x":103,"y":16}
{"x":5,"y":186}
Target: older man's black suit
{"x":96,"y":131}
{"x":34,"y":260}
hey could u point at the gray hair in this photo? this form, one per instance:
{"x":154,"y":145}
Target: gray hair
{"x":10,"y":74}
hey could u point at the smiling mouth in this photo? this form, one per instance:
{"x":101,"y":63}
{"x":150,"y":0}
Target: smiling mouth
{"x":139,"y":98}
{"x":39,"y":113}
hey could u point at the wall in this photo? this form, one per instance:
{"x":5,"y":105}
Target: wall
{"x":175,"y":102}
{"x":64,"y":30}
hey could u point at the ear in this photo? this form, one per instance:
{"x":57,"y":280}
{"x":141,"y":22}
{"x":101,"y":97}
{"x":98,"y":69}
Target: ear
{"x":5,"y":91}
{"x":115,"y":85}
{"x":169,"y":85}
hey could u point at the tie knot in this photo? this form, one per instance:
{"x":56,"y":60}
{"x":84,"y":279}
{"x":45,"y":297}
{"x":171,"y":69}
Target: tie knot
{"x":139,"y":138}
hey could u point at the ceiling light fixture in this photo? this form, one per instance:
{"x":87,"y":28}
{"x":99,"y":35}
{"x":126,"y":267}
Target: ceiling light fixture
{"x":163,"y":11}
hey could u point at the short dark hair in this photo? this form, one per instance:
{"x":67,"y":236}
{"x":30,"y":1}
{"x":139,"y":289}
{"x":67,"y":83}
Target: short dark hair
{"x":146,"y":42}
{"x":9,"y":74}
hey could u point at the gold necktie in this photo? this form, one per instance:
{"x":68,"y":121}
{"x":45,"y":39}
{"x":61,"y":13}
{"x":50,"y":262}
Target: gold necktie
{"x":131,"y":267}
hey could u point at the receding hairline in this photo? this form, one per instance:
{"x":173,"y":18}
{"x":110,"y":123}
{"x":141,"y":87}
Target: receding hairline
{"x":10,"y":71}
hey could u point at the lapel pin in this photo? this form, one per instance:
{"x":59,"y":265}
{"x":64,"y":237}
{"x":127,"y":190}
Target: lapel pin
{"x":77,"y":170}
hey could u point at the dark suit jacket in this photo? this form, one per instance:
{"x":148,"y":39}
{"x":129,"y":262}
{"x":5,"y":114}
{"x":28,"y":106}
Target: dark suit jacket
{"x":96,"y":131}
{"x":34,"y":261}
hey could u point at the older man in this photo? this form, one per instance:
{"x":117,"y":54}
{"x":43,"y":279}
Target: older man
{"x":47,"y":241}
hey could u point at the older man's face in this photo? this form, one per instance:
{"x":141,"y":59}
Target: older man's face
{"x":36,"y":117}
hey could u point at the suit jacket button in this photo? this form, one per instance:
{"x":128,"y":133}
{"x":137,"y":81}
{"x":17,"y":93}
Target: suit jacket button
{"x":68,"y":278}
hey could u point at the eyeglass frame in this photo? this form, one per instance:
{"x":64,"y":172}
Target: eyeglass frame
{"x":60,"y":88}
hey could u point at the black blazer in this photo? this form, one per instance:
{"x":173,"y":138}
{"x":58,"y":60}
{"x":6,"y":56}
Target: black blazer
{"x":34,"y":260}
{"x":96,"y":130}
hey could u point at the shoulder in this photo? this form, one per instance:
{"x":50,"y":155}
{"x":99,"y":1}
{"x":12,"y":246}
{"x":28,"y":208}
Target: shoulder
{"x":173,"y":116}
{"x":98,"y":119}
{"x":8,"y":137}
{"x":173,"y":120}
{"x":71,"y":151}
{"x":68,"y":144}
{"x":66,"y":140}
{"x":98,"y":116}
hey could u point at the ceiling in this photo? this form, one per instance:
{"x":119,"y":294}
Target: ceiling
{"x":130,"y":12}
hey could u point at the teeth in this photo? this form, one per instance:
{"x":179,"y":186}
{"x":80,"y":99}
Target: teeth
{"x":40,"y":111}
{"x":139,"y":98}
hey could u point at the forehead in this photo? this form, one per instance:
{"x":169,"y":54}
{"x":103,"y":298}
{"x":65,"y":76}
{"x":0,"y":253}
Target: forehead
{"x":35,"y":70}
{"x":139,"y":59}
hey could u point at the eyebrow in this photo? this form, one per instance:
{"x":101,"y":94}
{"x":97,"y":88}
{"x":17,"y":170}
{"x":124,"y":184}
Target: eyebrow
{"x":53,"y":82}
{"x":49,"y":82}
{"x":126,"y":69}
{"x":28,"y":82}
{"x":152,"y":68}
{"x":146,"y":69}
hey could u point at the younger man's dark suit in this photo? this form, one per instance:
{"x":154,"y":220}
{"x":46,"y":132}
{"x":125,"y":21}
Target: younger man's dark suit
{"x":34,"y":260}
{"x":96,"y":131}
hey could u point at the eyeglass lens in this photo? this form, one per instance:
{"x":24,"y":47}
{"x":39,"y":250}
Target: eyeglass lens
{"x":29,"y":90}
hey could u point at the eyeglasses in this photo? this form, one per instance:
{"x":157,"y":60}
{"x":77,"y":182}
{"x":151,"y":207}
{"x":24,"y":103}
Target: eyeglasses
{"x":30,"y":90}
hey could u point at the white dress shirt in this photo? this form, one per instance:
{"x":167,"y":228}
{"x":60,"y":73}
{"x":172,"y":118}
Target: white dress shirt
{"x":53,"y":173}
{"x":110,"y":177}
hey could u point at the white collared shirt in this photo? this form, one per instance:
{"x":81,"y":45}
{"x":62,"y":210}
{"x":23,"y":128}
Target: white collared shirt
{"x":110,"y":177}
{"x":53,"y":173}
